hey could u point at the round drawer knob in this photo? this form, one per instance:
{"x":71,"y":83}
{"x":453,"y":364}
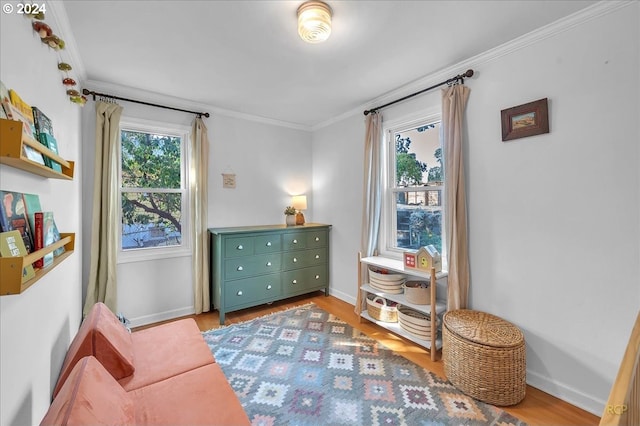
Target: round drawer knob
{"x":268,"y":263}
{"x":240,"y":268}
{"x":317,"y":238}
{"x":317,"y":256}
{"x":295,"y":241}
{"x":239,"y":293}
{"x":317,"y":277}
{"x":268,"y":243}
{"x":269,"y":287}
{"x":294,"y":282}
{"x":240,"y":247}
{"x":295,"y":260}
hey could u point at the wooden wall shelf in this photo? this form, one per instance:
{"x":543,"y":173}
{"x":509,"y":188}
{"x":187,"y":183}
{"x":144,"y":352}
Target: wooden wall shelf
{"x":11,"y":267}
{"x":12,"y":140}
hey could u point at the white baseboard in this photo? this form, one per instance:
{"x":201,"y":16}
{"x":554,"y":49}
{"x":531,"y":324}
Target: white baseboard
{"x":160,"y":316}
{"x":342,"y":296}
{"x":566,"y":393}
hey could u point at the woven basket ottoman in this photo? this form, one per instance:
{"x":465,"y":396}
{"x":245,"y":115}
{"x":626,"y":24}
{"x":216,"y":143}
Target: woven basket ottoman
{"x":484,"y":356}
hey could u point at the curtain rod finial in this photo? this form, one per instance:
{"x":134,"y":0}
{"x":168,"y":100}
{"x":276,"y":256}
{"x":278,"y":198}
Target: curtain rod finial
{"x":469,"y":73}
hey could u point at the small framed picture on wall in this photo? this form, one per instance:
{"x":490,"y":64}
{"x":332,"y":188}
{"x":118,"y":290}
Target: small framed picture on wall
{"x":525,"y":120}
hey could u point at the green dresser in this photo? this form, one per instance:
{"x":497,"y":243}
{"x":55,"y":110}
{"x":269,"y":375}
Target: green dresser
{"x":251,"y":265}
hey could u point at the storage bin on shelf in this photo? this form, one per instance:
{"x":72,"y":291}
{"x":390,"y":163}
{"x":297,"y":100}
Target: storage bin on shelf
{"x":416,"y":323}
{"x":417,"y":292}
{"x":379,"y":309}
{"x":387,"y":282}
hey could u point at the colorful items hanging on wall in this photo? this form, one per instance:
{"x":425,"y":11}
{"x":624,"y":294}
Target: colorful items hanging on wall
{"x":48,"y":37}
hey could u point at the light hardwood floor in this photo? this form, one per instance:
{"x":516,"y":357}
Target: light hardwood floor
{"x":537,"y":408}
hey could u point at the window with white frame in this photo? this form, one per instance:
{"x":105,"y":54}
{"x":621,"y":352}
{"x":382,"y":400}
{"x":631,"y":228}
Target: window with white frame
{"x":153,"y":190}
{"x":412,"y":214}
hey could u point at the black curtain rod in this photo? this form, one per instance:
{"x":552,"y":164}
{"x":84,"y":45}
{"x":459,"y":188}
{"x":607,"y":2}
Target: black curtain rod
{"x":94,"y":94}
{"x":461,"y":77}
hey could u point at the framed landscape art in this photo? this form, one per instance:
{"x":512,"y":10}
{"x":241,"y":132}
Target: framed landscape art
{"x":525,"y":120}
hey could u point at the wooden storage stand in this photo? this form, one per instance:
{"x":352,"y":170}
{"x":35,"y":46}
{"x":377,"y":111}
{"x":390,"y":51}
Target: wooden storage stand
{"x":433,"y":309}
{"x":12,"y":140}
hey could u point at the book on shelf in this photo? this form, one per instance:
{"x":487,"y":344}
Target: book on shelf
{"x":11,"y":245}
{"x":28,"y":129}
{"x":51,"y":143}
{"x":42,"y":122}
{"x":32,"y":206}
{"x":13,"y":217}
{"x":4,"y":97}
{"x":22,"y":106}
{"x":44,"y":236}
{"x":42,"y":127}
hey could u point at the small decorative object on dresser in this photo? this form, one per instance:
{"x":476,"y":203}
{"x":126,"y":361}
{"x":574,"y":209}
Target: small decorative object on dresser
{"x":290,"y":216}
{"x":299,"y":202}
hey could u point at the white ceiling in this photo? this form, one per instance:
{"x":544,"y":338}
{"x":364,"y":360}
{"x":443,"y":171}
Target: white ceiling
{"x":246,"y":56}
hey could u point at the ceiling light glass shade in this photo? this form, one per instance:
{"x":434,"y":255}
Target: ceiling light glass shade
{"x":314,"y":21}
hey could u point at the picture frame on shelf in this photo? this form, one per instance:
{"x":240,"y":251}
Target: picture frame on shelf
{"x":525,"y":120}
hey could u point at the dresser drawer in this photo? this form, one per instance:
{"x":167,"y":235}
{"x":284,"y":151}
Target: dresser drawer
{"x":238,"y":246}
{"x":303,"y":279}
{"x":252,"y":265}
{"x":318,"y":238}
{"x":249,"y":290}
{"x":294,"y":240}
{"x":304,"y":258}
{"x":271,"y":243}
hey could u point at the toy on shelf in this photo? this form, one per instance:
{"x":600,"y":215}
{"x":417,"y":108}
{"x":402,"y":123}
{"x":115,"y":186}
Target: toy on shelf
{"x":423,"y":259}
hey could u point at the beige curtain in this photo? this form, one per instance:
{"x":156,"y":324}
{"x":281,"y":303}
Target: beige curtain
{"x":104,"y":228}
{"x":372,"y":193}
{"x":198,"y":208}
{"x":454,"y":100}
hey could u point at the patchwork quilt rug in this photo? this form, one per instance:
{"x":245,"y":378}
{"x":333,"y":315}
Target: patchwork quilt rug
{"x":305,"y":366}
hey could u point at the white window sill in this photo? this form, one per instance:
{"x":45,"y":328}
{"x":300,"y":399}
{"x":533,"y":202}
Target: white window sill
{"x":143,"y":255}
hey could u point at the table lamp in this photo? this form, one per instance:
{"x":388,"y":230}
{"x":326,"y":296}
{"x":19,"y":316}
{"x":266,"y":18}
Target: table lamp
{"x":299,"y":202}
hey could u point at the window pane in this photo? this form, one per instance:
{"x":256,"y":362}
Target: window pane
{"x":151,"y":220}
{"x":418,"y":156}
{"x":417,"y":227}
{"x":418,"y":167}
{"x":150,"y":160}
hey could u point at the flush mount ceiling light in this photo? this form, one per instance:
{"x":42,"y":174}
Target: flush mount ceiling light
{"x":314,"y":21}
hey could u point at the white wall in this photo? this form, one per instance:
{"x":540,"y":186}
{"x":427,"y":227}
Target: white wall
{"x":553,"y":219}
{"x":271,"y":162}
{"x":554,"y":236}
{"x":36,"y":327}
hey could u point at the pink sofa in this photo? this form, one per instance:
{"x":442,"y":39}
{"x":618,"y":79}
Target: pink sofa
{"x":162,"y":375}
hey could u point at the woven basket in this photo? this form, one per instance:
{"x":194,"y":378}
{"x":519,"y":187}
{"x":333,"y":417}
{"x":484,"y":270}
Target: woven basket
{"x":417,"y":292}
{"x":386,"y":288}
{"x":415,"y":323}
{"x":484,"y":356}
{"x":380,"y":311}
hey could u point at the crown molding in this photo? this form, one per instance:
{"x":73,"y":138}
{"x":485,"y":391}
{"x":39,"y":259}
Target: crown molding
{"x":154,"y":97}
{"x":57,"y":10}
{"x":564,"y":24}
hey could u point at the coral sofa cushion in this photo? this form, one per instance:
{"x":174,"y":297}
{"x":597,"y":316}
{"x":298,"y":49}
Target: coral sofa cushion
{"x":102,"y":335}
{"x":166,"y":350}
{"x":202,"y":396}
{"x":90,"y":396}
